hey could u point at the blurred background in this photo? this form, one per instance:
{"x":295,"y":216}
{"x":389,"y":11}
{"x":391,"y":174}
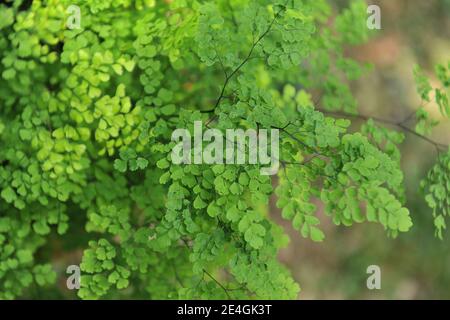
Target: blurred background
{"x":416,"y":265}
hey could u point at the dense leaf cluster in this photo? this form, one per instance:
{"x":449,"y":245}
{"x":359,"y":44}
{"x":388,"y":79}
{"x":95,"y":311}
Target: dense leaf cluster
{"x":85,"y":129}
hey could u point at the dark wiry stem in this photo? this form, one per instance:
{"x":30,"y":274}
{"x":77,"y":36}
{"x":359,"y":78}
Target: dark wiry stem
{"x":218,"y":283}
{"x":239,"y":67}
{"x":400,"y":124}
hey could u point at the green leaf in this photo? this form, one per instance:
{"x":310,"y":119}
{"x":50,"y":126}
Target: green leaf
{"x":404,"y":220}
{"x":142,"y":163}
{"x":24,"y":256}
{"x":316,"y":234}
{"x":233,"y":214}
{"x":199,"y":203}
{"x":8,"y":194}
{"x":212,"y":210}
{"x":163,"y":163}
{"x":120,"y":165}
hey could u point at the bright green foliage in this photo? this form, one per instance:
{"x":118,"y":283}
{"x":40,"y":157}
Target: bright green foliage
{"x":436,"y":185}
{"x":85,"y":128}
{"x":426,"y":91}
{"x":437,"y":188}
{"x":101,"y":271}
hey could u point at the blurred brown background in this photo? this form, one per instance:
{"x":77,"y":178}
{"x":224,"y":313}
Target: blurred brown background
{"x":416,"y":265}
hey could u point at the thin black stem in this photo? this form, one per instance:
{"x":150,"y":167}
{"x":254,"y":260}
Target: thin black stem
{"x":177,"y":277}
{"x":437,"y":145}
{"x":240,"y":66}
{"x":218,"y":283}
